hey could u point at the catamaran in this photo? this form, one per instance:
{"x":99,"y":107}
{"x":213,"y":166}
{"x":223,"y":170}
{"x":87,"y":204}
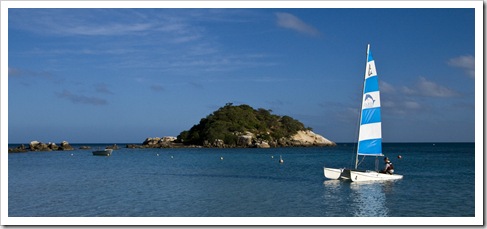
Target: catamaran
{"x":370,"y":132}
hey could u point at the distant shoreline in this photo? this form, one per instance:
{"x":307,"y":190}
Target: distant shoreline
{"x":130,"y":143}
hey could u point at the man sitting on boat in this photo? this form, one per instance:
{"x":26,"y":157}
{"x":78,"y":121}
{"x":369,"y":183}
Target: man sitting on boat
{"x":389,"y":168}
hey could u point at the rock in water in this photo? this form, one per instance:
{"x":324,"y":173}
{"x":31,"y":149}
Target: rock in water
{"x":64,"y":145}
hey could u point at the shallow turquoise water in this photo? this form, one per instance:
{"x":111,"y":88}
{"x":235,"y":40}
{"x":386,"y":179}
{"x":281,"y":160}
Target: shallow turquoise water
{"x":438,"y":181}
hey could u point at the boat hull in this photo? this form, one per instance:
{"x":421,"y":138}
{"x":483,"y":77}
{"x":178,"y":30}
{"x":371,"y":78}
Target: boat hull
{"x":358,"y":176}
{"x":336,"y":174}
{"x":106,"y":152}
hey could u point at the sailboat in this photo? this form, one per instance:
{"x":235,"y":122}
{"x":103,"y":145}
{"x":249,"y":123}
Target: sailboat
{"x":370,"y":132}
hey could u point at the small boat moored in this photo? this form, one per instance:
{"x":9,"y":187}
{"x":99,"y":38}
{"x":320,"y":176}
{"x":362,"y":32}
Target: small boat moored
{"x":106,"y":152}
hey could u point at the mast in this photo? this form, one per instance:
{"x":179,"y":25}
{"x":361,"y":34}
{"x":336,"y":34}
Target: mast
{"x":362,"y":104}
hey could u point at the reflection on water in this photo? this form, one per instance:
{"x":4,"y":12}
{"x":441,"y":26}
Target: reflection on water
{"x":369,"y":198}
{"x":335,"y":184}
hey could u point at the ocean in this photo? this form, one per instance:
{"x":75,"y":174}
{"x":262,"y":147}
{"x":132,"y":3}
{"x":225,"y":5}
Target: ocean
{"x":439,"y":181}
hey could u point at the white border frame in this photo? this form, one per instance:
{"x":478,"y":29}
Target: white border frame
{"x":479,"y":207}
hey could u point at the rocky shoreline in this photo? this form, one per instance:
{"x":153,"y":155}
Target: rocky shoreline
{"x":37,"y":146}
{"x":40,"y":146}
{"x":303,"y":138}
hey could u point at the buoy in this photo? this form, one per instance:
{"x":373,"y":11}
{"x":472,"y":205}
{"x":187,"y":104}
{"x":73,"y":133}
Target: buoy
{"x":172,"y":156}
{"x":400,"y":157}
{"x":272,"y":156}
{"x":280,"y":159}
{"x":158,"y":155}
{"x":72,"y":154}
{"x":221,"y":158}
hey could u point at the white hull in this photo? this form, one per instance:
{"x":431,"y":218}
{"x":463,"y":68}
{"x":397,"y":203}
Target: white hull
{"x":358,"y":176}
{"x":336,"y":174}
{"x":333,"y":174}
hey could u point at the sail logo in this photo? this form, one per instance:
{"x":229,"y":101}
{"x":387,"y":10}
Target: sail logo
{"x":368,"y":101}
{"x":370,"y":70}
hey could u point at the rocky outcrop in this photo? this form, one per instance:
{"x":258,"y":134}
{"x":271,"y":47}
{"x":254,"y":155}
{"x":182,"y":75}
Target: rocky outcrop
{"x":18,"y":149}
{"x":246,"y":140}
{"x":157,"y":142}
{"x":133,"y":146}
{"x":262,"y":144}
{"x":39,"y":146}
{"x":114,"y":147}
{"x":65,"y":146}
{"x":309,"y":138}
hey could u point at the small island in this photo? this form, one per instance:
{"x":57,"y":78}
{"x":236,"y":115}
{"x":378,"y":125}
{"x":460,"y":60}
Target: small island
{"x":243,"y":126}
{"x":228,"y":127}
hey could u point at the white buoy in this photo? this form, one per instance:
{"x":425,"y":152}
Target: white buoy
{"x":221,"y":158}
{"x":172,"y":156}
{"x":72,"y":154}
{"x":280,"y":159}
{"x":272,"y":156}
{"x":158,"y":155}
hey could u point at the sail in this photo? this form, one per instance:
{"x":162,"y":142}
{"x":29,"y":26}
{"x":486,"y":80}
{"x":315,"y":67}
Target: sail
{"x":370,"y":134}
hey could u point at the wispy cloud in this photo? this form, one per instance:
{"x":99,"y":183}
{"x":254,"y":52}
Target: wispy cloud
{"x":289,"y":21}
{"x":409,"y":99}
{"x":412,"y":105}
{"x":386,"y":87}
{"x":170,"y":27}
{"x":428,"y":88}
{"x":76,"y":22}
{"x":467,"y":63}
{"x":105,"y":30}
{"x":169,"y":40}
{"x":82,"y":99}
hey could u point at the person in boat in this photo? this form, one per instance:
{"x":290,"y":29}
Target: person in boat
{"x":389,"y":168}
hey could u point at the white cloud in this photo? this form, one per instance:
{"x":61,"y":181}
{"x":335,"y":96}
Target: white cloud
{"x":386,"y":87}
{"x":104,"y":30}
{"x":167,"y":40}
{"x":412,"y":105}
{"x":432,"y":89}
{"x":169,"y":27}
{"x":466,"y":63}
{"x":289,"y":21}
{"x":428,"y":88}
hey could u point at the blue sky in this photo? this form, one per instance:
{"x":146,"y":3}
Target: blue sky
{"x":121,"y":75}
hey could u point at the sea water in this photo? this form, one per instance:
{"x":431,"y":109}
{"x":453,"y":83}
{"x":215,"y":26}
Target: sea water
{"x":439,"y":180}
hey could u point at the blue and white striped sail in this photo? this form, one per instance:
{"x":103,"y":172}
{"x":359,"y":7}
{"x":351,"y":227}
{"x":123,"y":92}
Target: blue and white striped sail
{"x":370,"y":133}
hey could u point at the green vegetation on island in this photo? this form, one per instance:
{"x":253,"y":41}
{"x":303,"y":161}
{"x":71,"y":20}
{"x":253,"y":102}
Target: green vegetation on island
{"x":229,"y":123}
